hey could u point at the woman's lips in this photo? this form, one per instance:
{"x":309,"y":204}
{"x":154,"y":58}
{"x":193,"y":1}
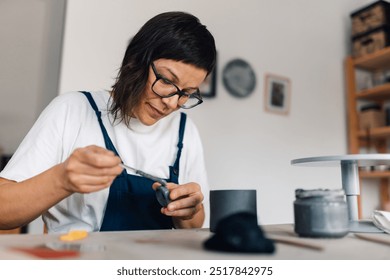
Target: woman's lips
{"x":155,"y":113}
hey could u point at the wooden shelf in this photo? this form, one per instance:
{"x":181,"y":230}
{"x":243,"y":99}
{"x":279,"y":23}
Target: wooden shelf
{"x":375,"y":61}
{"x":375,"y":133}
{"x":374,"y":174}
{"x":375,"y":137}
{"x":378,"y":93}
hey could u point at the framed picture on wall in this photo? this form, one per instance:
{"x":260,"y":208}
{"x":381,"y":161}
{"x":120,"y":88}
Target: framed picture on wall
{"x":277,"y":94}
{"x":208,"y":89}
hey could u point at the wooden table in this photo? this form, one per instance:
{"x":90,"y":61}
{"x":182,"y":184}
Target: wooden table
{"x":187,"y":245}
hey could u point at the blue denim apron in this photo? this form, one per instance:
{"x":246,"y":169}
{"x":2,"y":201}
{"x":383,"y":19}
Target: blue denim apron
{"x":132,"y":203}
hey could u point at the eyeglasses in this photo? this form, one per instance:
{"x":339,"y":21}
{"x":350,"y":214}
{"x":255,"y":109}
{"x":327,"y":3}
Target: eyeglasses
{"x":165,"y":89}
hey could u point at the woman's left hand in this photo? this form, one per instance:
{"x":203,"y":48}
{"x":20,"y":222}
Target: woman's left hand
{"x":186,"y":206}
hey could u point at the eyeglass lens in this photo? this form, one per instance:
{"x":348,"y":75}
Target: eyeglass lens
{"x":164,"y":88}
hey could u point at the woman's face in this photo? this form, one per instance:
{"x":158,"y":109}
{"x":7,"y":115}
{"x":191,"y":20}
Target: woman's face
{"x":152,"y":107}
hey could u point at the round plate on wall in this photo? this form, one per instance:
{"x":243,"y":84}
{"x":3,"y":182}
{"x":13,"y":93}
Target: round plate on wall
{"x":239,"y":78}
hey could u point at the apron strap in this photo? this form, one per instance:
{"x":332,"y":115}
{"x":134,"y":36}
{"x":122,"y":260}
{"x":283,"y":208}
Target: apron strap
{"x":107,"y":140}
{"x":175,"y":167}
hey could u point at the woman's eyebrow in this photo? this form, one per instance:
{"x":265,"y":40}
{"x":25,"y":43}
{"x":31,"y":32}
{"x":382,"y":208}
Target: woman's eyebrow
{"x":175,"y":78}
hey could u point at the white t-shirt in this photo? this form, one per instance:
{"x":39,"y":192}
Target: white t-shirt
{"x":69,"y":122}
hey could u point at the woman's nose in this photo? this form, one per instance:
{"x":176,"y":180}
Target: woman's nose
{"x":171,"y":102}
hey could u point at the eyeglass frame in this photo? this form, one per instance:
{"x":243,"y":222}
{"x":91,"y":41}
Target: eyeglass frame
{"x":179,"y":92}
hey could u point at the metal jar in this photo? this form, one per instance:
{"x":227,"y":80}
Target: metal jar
{"x":320,"y":213}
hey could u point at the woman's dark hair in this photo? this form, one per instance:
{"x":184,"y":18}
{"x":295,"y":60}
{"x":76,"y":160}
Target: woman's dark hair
{"x":173,"y":35}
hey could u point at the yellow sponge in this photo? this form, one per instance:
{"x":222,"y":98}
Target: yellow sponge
{"x":74,"y":235}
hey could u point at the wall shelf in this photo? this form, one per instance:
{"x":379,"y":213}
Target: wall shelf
{"x":379,"y":93}
{"x":375,"y":133}
{"x":374,"y":137}
{"x":374,"y":174}
{"x":379,"y":60}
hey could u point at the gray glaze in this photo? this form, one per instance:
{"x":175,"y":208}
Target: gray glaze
{"x":320,"y":213}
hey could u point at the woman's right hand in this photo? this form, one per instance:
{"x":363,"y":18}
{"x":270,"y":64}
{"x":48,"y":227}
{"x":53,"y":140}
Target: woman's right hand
{"x":90,"y":169}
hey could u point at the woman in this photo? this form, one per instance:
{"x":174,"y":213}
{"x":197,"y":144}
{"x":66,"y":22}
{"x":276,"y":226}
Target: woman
{"x":68,"y":167}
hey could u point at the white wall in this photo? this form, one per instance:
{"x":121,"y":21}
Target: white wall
{"x":30,"y":53}
{"x":31,"y":38}
{"x":246,"y":147}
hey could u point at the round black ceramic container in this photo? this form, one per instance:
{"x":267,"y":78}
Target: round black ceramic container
{"x":320,"y":213}
{"x":224,"y":203}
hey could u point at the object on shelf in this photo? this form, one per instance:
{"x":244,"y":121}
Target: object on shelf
{"x":371,"y":116}
{"x":367,"y":80}
{"x":371,"y":41}
{"x":370,"y":17}
{"x":366,"y":168}
{"x":387,"y":113}
{"x":378,"y":78}
{"x":381,"y":168}
{"x":386,"y":76}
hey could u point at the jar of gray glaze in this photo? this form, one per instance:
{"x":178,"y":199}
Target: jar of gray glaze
{"x":320,"y":213}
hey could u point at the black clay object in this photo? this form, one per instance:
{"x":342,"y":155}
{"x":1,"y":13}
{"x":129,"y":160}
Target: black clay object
{"x":226,"y":202}
{"x":240,"y":233}
{"x":162,"y":192}
{"x":162,"y":195}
